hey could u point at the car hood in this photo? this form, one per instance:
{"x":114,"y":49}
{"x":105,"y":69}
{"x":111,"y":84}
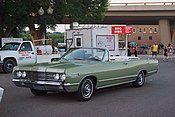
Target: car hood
{"x":59,"y":66}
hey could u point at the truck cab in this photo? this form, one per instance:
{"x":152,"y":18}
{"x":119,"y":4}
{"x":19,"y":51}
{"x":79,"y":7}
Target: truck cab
{"x":16,"y":53}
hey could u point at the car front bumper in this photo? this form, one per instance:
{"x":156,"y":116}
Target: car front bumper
{"x":45,"y":85}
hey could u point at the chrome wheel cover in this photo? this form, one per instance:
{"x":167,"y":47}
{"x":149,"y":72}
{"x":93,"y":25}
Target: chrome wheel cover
{"x":87,"y":88}
{"x":140,"y":79}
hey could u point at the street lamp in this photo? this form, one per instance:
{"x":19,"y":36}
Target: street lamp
{"x":41,"y":13}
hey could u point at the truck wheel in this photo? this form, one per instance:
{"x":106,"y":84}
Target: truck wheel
{"x":38,"y":92}
{"x":9,"y":65}
{"x":85,"y":90}
{"x":140,"y":80}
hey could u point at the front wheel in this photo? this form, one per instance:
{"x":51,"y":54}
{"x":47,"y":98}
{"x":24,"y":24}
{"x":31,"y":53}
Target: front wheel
{"x":8,"y":65}
{"x":38,"y":92}
{"x":140,"y":80}
{"x":85,"y":90}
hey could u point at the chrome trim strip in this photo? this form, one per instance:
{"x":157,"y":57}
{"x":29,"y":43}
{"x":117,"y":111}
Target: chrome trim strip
{"x":71,"y":84}
{"x":117,"y":78}
{"x":46,"y":82}
{"x":39,"y":82}
{"x":115,"y":84}
{"x":152,"y":71}
{"x":16,"y":80}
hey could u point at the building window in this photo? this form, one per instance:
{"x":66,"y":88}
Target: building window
{"x":134,"y":30}
{"x":139,"y":37}
{"x":144,"y":30}
{"x":140,"y":30}
{"x":150,"y":38}
{"x":78,"y":40}
{"x":155,"y":30}
{"x":150,"y":30}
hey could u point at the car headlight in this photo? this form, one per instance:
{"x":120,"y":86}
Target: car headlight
{"x":58,"y":76}
{"x":21,"y":74}
{"x":24,"y":74}
{"x":63,"y":77}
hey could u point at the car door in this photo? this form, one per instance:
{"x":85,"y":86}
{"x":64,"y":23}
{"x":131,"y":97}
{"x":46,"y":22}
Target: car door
{"x":118,"y":72}
{"x":26,"y":54}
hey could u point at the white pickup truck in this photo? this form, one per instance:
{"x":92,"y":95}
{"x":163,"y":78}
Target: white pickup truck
{"x":18,"y":53}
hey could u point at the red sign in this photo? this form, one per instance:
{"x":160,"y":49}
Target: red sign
{"x":121,"y":29}
{"x":118,"y":29}
{"x":128,"y":29}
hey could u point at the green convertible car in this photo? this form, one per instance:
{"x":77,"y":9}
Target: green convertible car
{"x":82,"y":70}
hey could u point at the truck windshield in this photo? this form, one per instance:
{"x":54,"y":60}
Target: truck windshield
{"x":10,"y":46}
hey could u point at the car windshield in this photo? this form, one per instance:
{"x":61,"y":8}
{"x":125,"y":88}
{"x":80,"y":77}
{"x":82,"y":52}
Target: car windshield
{"x":95,"y":54}
{"x":10,"y":46}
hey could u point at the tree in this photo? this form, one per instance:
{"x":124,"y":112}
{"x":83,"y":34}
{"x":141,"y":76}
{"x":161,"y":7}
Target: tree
{"x":15,"y":15}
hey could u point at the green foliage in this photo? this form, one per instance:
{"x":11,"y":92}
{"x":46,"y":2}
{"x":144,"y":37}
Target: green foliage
{"x":24,"y":13}
{"x":86,"y":10}
{"x":26,"y":36}
{"x":56,"y":38}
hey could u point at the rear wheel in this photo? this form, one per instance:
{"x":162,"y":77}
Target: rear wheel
{"x":85,"y":90}
{"x":38,"y":92}
{"x":140,"y":80}
{"x":9,"y":65}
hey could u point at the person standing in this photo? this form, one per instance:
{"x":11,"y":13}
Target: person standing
{"x":135,"y":52}
{"x":170,"y":51}
{"x":165,"y":54}
{"x":154,"y":50}
{"x":129,"y":50}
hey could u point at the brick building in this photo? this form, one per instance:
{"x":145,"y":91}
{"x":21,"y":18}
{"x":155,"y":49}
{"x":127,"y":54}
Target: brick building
{"x":145,"y":35}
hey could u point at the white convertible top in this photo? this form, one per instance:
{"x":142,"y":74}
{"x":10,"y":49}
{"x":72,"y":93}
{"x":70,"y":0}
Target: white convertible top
{"x":123,"y":58}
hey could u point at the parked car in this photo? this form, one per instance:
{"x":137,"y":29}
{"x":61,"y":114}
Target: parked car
{"x":1,"y":93}
{"x":20,"y":53}
{"x":82,"y":70}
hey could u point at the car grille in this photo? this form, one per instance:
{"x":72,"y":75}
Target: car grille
{"x":34,"y":75}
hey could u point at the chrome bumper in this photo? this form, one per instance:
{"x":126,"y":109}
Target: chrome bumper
{"x":41,"y":85}
{"x":52,"y":86}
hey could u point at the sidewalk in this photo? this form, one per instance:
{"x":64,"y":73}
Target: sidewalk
{"x":150,"y":56}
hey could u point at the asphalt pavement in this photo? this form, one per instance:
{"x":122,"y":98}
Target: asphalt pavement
{"x":154,"y":99}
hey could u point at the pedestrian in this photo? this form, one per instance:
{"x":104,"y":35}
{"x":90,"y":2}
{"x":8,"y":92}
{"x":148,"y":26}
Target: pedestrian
{"x":154,"y":50}
{"x":135,"y":52}
{"x":129,"y":50}
{"x":170,"y":51}
{"x":165,"y":54}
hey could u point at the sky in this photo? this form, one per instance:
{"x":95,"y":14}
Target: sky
{"x":63,"y":27}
